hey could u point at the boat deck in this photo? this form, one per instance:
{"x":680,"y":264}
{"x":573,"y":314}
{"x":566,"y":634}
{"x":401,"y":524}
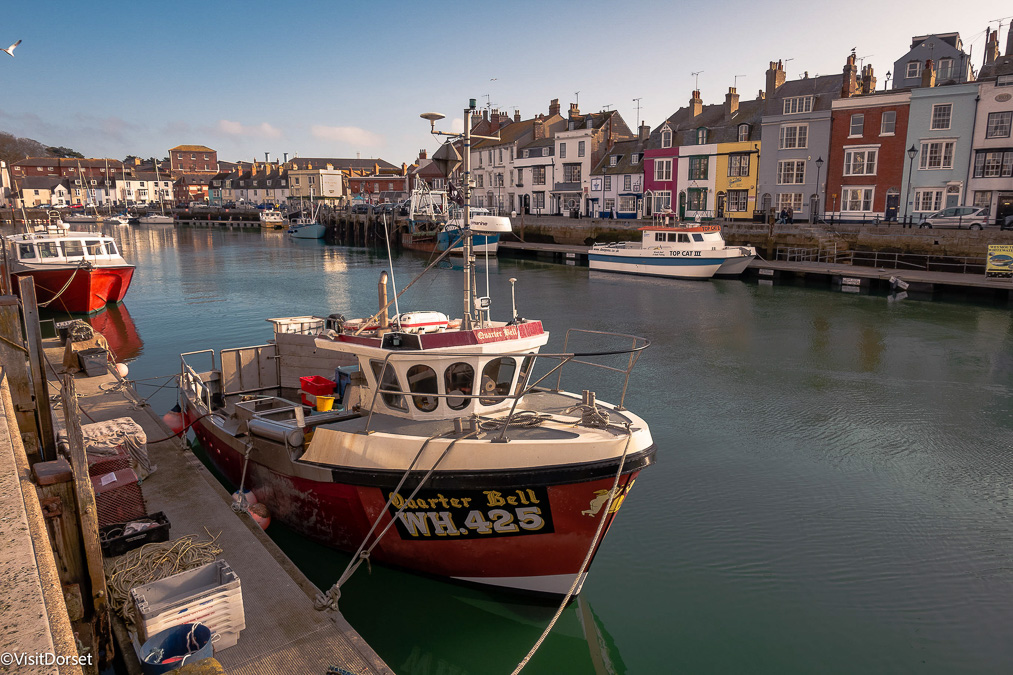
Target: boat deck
{"x":284,"y":633}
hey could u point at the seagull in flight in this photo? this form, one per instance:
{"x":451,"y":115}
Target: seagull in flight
{"x":10,"y":50}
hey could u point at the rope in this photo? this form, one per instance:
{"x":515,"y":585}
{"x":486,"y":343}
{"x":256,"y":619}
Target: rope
{"x":14,"y":344}
{"x":241,"y":505}
{"x":152,"y":562}
{"x":591,"y":416}
{"x":587,"y":558}
{"x":525,"y":418}
{"x":181,"y":432}
{"x":81,"y":265}
{"x":329,"y":600}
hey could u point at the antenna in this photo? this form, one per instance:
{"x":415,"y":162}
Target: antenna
{"x":861,"y":60}
{"x":576,"y":95}
{"x":736,"y":81}
{"x":637,"y":101}
{"x":605,"y":108}
{"x":696,"y":75}
{"x":488,"y":101}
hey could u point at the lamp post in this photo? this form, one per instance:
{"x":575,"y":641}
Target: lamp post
{"x":819,"y":165}
{"x":469,"y":252}
{"x":911,"y":153}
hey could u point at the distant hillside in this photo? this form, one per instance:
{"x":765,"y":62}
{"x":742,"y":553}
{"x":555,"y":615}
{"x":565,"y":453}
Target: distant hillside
{"x":13,"y":148}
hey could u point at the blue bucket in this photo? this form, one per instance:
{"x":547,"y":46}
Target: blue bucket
{"x":176,"y":646}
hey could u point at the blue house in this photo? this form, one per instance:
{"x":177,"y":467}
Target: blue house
{"x":944,"y":49}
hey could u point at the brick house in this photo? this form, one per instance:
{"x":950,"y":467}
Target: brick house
{"x":867,"y":157}
{"x":193,"y":159}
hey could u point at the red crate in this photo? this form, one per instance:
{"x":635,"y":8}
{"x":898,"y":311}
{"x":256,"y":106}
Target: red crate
{"x":317,"y":386}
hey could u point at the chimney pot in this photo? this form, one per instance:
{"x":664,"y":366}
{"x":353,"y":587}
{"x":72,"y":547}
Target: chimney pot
{"x":731,"y":102}
{"x":849,"y":81}
{"x":553,"y":107}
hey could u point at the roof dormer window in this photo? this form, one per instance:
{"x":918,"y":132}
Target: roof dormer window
{"x":666,"y":137}
{"x":701,"y":135}
{"x":613,"y":160}
{"x":743,"y":134}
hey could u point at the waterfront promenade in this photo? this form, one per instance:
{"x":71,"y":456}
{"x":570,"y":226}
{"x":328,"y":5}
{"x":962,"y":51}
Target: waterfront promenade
{"x":33,"y":613}
{"x":284,"y":633}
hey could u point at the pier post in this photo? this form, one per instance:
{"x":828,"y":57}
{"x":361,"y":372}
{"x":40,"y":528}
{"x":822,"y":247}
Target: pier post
{"x":36,"y":356}
{"x":89,"y":517}
{"x":14,"y":356}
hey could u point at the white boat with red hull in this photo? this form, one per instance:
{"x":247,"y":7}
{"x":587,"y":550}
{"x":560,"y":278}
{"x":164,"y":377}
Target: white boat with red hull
{"x":453,"y":450}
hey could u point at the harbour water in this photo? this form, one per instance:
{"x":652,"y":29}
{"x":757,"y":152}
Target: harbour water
{"x":833,"y":483}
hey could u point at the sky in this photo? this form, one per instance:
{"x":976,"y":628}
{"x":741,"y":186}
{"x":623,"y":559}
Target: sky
{"x":349,"y":79}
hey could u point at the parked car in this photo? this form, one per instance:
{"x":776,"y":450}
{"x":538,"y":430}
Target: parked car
{"x":361,"y":208}
{"x":959,"y":217}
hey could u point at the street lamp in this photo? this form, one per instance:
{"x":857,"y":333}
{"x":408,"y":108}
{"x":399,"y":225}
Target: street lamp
{"x":911,"y":153}
{"x":819,"y":165}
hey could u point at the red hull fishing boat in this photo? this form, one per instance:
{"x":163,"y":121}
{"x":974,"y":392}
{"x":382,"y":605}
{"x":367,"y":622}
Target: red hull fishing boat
{"x":453,"y":449}
{"x":78,"y":272}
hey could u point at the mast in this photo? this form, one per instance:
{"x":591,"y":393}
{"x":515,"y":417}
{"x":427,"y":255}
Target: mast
{"x":469,"y":291}
{"x":158,"y":189}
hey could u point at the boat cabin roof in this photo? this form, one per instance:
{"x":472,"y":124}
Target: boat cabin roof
{"x":692,"y":228}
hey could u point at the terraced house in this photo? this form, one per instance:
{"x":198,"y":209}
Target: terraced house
{"x":990,"y":182}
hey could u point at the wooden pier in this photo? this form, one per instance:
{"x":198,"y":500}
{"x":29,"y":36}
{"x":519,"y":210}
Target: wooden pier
{"x":284,"y":633}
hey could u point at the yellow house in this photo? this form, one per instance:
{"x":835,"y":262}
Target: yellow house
{"x":736,"y":178}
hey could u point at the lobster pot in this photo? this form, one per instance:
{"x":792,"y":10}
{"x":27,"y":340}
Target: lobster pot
{"x":114,"y":439}
{"x":210,"y":594}
{"x":118,"y":497}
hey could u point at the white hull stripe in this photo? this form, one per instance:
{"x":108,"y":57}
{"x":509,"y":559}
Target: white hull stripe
{"x":555,"y":584}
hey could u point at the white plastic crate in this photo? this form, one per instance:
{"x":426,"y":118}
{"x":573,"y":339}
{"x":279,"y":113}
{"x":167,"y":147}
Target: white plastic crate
{"x":215,"y":614}
{"x":210,"y":594}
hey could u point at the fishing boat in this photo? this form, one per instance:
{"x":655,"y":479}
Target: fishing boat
{"x":79,"y":272}
{"x":451,"y":449}
{"x":427,"y":216}
{"x":692,"y":252}
{"x":306,"y":226}
{"x":272,"y":218}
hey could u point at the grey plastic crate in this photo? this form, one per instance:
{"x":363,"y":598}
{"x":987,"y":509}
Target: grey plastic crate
{"x":94,"y":361}
{"x":192,"y":587}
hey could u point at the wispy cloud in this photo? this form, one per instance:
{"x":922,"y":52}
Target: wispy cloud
{"x":262,"y":130}
{"x":457,"y":125}
{"x":350,"y":135}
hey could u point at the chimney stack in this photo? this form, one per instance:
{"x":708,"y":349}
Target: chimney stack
{"x":645,"y":132}
{"x":1009,"y":43}
{"x":992,"y":47}
{"x":929,"y":74}
{"x":574,"y":110}
{"x":849,"y":81}
{"x":731,"y":102}
{"x":423,"y":154}
{"x":868,"y":80}
{"x":775,"y":78}
{"x":267,"y":158}
{"x":517,"y":115}
{"x":696,"y":103}
{"x":553,"y":107}
{"x":538,"y":130}
{"x":286,"y":158}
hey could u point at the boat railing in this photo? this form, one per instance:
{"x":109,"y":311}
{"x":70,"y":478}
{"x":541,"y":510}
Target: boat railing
{"x":190,"y":380}
{"x":528,"y":385}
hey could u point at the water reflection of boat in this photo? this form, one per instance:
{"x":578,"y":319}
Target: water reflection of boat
{"x":117,"y":326}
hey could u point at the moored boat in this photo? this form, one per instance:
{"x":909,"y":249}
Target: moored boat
{"x":487,"y":243}
{"x":451,"y":451}
{"x":78,"y":272}
{"x":155,"y":219}
{"x":693,"y":252}
{"x":272,"y":218}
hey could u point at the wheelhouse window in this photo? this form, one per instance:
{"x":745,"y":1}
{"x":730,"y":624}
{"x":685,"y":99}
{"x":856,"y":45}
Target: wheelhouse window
{"x":424,"y":386}
{"x":26,"y":251}
{"x":497,"y":376}
{"x":49,"y":249}
{"x":389,"y":385}
{"x":459,"y":378}
{"x":73,"y":248}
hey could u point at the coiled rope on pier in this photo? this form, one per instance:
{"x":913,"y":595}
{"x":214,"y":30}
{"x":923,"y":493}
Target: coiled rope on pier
{"x":152,"y":562}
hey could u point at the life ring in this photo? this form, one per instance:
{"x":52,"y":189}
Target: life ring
{"x":572,"y":204}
